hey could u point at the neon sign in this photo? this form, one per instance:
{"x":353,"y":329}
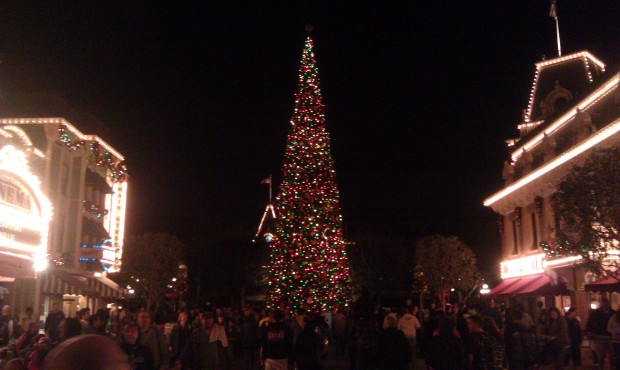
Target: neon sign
{"x":25,"y":212}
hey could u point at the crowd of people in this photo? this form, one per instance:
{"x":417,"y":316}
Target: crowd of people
{"x":364,"y":335}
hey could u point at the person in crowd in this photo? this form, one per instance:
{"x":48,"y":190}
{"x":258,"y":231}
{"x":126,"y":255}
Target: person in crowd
{"x":43,"y":346}
{"x":309,"y":347}
{"x":560,"y":343}
{"x":83,"y":317}
{"x":461,"y":323}
{"x":10,"y":331}
{"x":93,"y":325}
{"x":491,"y":311}
{"x":153,"y":338}
{"x":410,"y":325}
{"x":206,"y":355}
{"x":473,"y":348}
{"x":277,"y":343}
{"x":52,"y":322}
{"x":445,"y":350}
{"x":218,"y":333}
{"x":599,"y":335}
{"x":575,"y":335}
{"x":69,"y":328}
{"x":542,"y":325}
{"x":249,"y":340}
{"x":93,"y":352}
{"x":25,"y":341}
{"x":520,"y":338}
{"x":393,"y":351}
{"x":339,"y":326}
{"x":297,"y":324}
{"x":27,"y":318}
{"x":180,"y":341}
{"x":138,"y":355}
{"x":493,"y":350}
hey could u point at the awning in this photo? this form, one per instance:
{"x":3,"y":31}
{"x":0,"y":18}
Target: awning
{"x":609,"y":283}
{"x":531,"y":285}
{"x":58,"y":282}
{"x":504,"y":286}
{"x":106,"y":287}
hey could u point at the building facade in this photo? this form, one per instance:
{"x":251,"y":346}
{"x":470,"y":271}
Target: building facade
{"x":574,"y":107}
{"x":76,"y":193}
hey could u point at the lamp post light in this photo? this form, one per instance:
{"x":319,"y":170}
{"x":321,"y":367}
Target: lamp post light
{"x":485,"y":289}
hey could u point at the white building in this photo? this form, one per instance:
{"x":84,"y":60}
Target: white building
{"x":69,"y":189}
{"x":574,"y":106}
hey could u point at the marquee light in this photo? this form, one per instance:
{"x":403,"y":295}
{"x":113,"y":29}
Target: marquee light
{"x":531,"y":265}
{"x":70,"y":127}
{"x":25,"y":139}
{"x":583,"y":105}
{"x":593,"y":140}
{"x":25,"y":212}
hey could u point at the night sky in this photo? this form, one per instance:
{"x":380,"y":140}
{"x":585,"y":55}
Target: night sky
{"x":420,"y":96}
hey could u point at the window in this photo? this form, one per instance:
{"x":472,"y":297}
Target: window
{"x":534,"y":231}
{"x":515,"y":239}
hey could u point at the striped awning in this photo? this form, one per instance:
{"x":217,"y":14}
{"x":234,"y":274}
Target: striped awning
{"x":58,"y":282}
{"x":106,"y":287}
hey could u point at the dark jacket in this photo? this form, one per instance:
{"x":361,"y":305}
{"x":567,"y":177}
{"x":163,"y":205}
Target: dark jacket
{"x":597,"y":322}
{"x":574,"y":331}
{"x":52,"y":321}
{"x":445,"y":352}
{"x":308,"y":347}
{"x":393,"y":351}
{"x":204,"y":354}
{"x":139,"y":356}
{"x":277,"y":341}
{"x":180,"y":343}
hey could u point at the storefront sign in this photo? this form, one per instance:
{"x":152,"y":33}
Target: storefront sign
{"x":24,"y":214}
{"x":523,"y":266}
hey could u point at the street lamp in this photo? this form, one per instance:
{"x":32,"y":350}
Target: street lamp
{"x":485,"y":289}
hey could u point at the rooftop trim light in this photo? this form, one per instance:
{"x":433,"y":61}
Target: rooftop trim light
{"x":584,"y":104}
{"x":561,"y":159}
{"x":546,"y":63}
{"x":70,"y":127}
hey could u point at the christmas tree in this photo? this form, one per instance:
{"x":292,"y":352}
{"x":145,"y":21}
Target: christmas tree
{"x":308,"y":262}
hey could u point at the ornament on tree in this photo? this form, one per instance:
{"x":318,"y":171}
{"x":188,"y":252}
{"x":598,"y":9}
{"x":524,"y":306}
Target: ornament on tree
{"x":308,"y":262}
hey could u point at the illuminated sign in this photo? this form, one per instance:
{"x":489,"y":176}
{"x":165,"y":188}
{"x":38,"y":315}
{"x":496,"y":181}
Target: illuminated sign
{"x":24,"y":211}
{"x":529,"y":265}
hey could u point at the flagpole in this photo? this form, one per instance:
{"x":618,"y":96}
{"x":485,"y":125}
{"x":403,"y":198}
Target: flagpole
{"x":270,"y":185}
{"x":557,"y":32}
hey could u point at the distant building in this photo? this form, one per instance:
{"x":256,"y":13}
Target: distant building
{"x":574,"y":106}
{"x":77,"y":198}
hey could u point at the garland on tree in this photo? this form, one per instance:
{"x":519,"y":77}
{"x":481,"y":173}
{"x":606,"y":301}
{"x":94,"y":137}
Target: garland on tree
{"x":308,"y":262}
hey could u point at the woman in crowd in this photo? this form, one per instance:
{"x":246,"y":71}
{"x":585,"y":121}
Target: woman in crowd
{"x":179,"y":342}
{"x":558,"y":331}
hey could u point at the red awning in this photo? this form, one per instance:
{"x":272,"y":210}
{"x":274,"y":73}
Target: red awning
{"x":607,"y":284}
{"x":504,"y":286}
{"x":533,"y":285}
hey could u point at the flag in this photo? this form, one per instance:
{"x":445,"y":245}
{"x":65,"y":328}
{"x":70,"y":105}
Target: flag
{"x":266,"y":180}
{"x":553,"y":11}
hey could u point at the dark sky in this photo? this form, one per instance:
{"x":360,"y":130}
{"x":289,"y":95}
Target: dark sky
{"x":420,"y":96}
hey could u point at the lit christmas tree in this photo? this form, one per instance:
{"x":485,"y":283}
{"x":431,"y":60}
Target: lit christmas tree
{"x":308,"y":261}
